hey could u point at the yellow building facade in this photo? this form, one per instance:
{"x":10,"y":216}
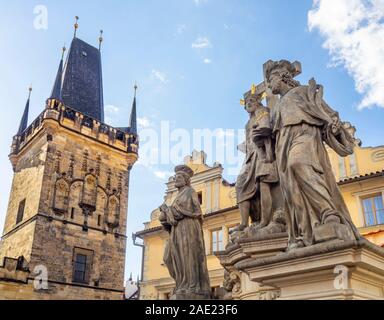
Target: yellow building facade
{"x":360,"y":178}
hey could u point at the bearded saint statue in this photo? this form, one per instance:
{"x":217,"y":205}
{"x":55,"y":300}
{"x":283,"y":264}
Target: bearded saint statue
{"x":184,"y":255}
{"x":301,"y":122}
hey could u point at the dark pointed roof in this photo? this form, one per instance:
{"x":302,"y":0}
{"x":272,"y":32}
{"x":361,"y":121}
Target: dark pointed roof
{"x":133,"y":118}
{"x":82,"y":87}
{"x":56,"y":90}
{"x":24,"y":119}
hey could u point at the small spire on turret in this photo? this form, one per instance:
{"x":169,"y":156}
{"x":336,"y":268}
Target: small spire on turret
{"x":56,"y":90}
{"x":63,"y":52}
{"x":101,"y":39}
{"x":133,"y":118}
{"x":24,"y":118}
{"x":76,"y":25}
{"x":30,"y":91}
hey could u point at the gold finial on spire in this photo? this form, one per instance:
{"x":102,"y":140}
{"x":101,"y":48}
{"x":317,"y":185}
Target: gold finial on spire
{"x":76,"y":25}
{"x":30,"y":90}
{"x":101,"y":39}
{"x":63,"y":52}
{"x":242,"y":102}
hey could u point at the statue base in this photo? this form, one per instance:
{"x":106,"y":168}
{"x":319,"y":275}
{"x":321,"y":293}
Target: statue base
{"x":260,"y":269}
{"x":332,"y":231}
{"x":189,"y":296}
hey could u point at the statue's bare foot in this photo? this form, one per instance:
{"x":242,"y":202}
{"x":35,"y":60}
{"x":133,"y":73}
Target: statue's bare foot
{"x":295,"y":245}
{"x":260,"y":225}
{"x":240,"y":227}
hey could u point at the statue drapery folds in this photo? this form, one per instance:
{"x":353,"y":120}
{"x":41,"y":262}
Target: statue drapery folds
{"x":302,"y":121}
{"x":184,"y":254}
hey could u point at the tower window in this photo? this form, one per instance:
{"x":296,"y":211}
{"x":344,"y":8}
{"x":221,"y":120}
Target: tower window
{"x":99,"y":220}
{"x":72,"y":213}
{"x":20,"y":211}
{"x":80,"y":268}
{"x":82,"y":260}
{"x":200,"y":197}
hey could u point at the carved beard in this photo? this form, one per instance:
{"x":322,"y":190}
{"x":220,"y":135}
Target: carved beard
{"x":288,"y":80}
{"x":187,"y":181}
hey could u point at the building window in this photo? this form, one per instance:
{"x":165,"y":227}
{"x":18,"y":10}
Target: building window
{"x":200,"y":197}
{"x":80,"y":268}
{"x":82,"y":260}
{"x":72,"y":213}
{"x":217,"y":240}
{"x":20,"y":211}
{"x":373,"y":208}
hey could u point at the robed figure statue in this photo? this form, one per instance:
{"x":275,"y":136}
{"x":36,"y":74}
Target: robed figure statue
{"x":302,"y":121}
{"x":184,"y":255}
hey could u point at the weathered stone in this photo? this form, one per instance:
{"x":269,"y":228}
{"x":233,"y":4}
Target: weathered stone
{"x":322,"y":239}
{"x":50,"y":175}
{"x":332,"y":231}
{"x":184,"y":254}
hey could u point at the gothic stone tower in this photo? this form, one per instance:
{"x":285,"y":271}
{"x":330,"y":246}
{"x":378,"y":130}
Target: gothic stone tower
{"x":67,"y":209}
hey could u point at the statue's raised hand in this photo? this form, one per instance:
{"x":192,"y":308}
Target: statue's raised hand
{"x":336,"y":125}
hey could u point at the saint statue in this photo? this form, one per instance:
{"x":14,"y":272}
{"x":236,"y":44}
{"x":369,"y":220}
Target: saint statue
{"x":301,"y":122}
{"x":185,"y":252}
{"x":258,"y":192}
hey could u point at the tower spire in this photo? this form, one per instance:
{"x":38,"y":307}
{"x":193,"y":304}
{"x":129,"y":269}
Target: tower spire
{"x":24,"y":119}
{"x":76,"y":25}
{"x":56,"y":90}
{"x":133,"y":118}
{"x":101,"y":39}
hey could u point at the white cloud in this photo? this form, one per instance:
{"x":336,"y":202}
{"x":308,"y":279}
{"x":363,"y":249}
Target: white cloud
{"x":354,"y":34}
{"x":111,"y":113}
{"x":207,"y":61}
{"x":201,"y":43}
{"x":163,"y":174}
{"x":143,"y":122}
{"x":181,"y":28}
{"x":161,"y":76}
{"x":199,"y":2}
{"x":111,"y":109}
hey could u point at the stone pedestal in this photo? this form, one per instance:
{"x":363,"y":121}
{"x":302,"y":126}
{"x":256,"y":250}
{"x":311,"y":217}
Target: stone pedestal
{"x":189,"y":296}
{"x":261,"y":269}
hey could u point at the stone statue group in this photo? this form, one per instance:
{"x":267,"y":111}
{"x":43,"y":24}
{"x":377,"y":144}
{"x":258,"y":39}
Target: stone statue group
{"x":286,"y":183}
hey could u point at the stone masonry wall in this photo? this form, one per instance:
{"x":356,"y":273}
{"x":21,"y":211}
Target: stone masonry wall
{"x":54,"y":249}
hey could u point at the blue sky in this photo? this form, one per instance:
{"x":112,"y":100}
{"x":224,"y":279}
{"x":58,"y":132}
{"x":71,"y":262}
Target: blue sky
{"x":192,"y":60}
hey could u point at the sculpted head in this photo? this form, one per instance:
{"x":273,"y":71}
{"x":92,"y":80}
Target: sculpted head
{"x":252,"y":100}
{"x":280,"y":75}
{"x":183,"y":176}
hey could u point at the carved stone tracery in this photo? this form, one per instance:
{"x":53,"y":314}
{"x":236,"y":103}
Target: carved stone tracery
{"x":72,"y":194}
